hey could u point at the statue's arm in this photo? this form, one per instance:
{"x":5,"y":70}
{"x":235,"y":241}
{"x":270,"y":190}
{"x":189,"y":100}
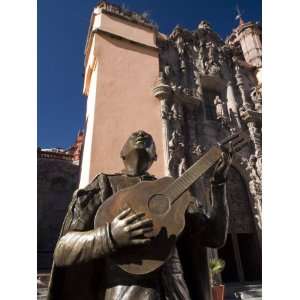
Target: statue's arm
{"x":78,"y":241}
{"x":126,"y":229}
{"x":77,"y":247}
{"x":210,"y":226}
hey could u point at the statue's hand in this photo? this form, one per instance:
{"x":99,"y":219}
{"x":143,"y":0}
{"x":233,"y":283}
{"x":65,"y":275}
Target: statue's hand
{"x":222,"y":167}
{"x":129,"y":230}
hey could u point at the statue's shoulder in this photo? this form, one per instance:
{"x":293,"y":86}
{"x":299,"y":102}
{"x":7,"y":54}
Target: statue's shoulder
{"x":112,"y":174}
{"x":102,"y":177}
{"x":100,"y":181}
{"x":103,"y":180}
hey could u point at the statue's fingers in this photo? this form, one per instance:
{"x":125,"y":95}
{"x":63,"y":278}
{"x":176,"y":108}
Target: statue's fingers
{"x":133,"y":217}
{"x":140,"y":224}
{"x":228,"y":157}
{"x":140,"y":241}
{"x":221,"y":163}
{"x":139,"y":232}
{"x":124,"y":213}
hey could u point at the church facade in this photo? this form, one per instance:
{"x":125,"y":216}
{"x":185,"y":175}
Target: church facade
{"x":189,"y":90}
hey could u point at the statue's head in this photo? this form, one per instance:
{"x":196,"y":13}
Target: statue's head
{"x":138,"y":153}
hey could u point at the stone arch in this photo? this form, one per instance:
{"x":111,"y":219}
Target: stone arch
{"x":241,"y":218}
{"x":241,"y":251}
{"x":240,"y":165}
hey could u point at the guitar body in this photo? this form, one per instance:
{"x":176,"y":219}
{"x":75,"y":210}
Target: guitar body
{"x":168,"y":223}
{"x":165,"y":202}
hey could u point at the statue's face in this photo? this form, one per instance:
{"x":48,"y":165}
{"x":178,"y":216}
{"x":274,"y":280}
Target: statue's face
{"x":139,"y":152}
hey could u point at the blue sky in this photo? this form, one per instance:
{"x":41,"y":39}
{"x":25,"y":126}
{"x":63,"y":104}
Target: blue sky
{"x":62,"y":30}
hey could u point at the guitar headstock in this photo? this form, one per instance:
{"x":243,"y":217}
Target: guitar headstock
{"x":235,"y":142}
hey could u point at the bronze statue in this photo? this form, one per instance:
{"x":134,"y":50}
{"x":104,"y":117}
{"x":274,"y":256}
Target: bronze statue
{"x":83,"y":266}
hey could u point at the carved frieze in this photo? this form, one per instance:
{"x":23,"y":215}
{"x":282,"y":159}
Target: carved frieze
{"x":186,"y":57}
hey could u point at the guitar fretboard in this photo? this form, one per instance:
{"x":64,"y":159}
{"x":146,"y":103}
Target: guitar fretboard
{"x":181,"y":184}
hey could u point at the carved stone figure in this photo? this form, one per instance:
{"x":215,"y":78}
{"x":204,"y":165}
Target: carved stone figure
{"x":240,"y":81}
{"x":255,"y":134}
{"x":201,"y":56}
{"x":83,"y":267}
{"x":252,"y":167}
{"x":176,"y":154}
{"x":176,"y":35}
{"x":204,"y":25}
{"x":214,"y":70}
{"x":167,"y":71}
{"x":175,"y":112}
{"x":212,"y":52}
{"x":220,"y":113}
{"x":197,"y":151}
{"x":256,"y":98}
{"x":255,"y":189}
{"x":219,"y":107}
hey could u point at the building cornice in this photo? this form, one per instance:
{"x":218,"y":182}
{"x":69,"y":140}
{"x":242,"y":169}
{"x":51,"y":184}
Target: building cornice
{"x":116,"y":36}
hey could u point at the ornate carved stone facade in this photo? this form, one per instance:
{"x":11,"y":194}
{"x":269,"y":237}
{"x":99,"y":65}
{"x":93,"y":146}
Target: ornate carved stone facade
{"x":214,"y":89}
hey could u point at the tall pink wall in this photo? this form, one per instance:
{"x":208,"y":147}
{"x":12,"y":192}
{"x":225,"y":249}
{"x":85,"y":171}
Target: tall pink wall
{"x":124,"y":102}
{"x":128,"y":30}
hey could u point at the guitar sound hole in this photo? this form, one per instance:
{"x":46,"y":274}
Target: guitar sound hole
{"x":158,"y":204}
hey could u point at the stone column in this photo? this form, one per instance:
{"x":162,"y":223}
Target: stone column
{"x":253,"y":164}
{"x":256,"y":193}
{"x":232,"y":105}
{"x":240,"y":83}
{"x":162,"y":91}
{"x":253,"y":121}
{"x":257,"y":141}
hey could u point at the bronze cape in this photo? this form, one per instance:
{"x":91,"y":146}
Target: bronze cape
{"x":88,"y":280}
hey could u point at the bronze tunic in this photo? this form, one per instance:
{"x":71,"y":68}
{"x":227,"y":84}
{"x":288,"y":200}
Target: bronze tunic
{"x":82,"y":268}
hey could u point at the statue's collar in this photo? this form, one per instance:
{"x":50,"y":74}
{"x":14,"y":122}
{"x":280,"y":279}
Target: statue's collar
{"x":145,"y":176}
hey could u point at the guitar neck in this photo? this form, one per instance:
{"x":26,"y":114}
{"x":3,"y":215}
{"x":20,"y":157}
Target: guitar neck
{"x":182,"y":183}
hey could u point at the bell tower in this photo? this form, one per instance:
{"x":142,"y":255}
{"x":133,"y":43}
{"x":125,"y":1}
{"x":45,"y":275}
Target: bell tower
{"x":248,"y":36}
{"x":121,"y":68}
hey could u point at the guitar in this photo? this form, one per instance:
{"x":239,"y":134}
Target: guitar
{"x":164,"y":201}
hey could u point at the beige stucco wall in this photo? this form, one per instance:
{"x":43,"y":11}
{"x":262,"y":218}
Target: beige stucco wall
{"x":90,"y":114}
{"x":123,"y":103}
{"x":128,"y":30}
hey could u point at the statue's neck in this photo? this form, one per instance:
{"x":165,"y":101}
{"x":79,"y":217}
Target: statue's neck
{"x":133,"y":170}
{"x":136,"y":164}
